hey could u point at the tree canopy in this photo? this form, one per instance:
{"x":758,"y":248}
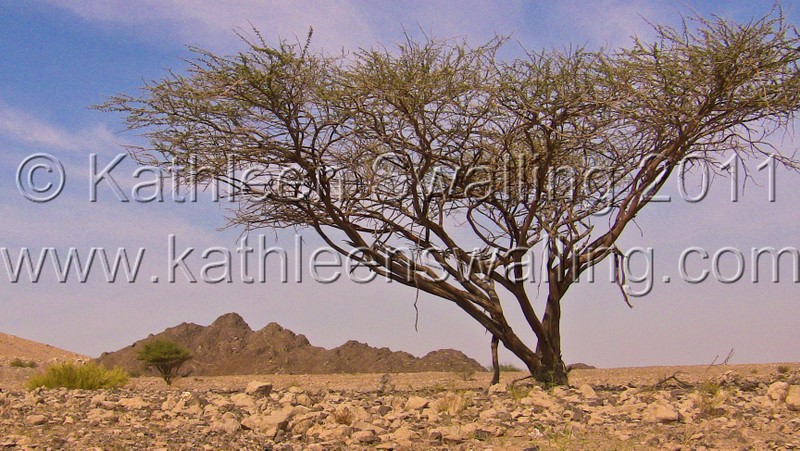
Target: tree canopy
{"x":439,"y":165}
{"x":164,"y":356}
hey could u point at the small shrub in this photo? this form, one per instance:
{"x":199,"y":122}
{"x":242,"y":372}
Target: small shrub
{"x":19,"y":363}
{"x":452,"y":403}
{"x":518,"y":391}
{"x":783,"y":369}
{"x":466,"y":375}
{"x":88,"y":376}
{"x":343,"y":415}
{"x":710,"y":397}
{"x":164,"y":356}
{"x":560,"y":439}
{"x":508,"y":367}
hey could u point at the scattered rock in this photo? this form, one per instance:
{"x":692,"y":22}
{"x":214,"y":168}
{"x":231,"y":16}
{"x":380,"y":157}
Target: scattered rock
{"x":404,"y":434}
{"x":35,"y":420}
{"x":793,"y":397}
{"x":777,"y":391}
{"x":416,"y":403}
{"x":258,"y":389}
{"x":133,"y":403}
{"x":579,"y":366}
{"x":227,"y":424}
{"x":365,"y":437}
{"x":587,"y":391}
{"x":304,"y":416}
{"x":660,"y":413}
{"x":452,"y":434}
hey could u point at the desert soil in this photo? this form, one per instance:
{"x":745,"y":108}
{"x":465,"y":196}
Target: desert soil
{"x":722,"y":407}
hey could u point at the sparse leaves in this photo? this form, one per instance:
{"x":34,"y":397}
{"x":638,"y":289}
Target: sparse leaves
{"x":164,"y":356}
{"x":444,"y":151}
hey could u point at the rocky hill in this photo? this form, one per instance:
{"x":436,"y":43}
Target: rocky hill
{"x":12,"y":347}
{"x":230,"y":346}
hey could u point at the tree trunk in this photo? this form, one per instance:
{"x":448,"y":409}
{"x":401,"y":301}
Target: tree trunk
{"x":552,"y":369}
{"x":495,"y":361}
{"x":545,"y":365}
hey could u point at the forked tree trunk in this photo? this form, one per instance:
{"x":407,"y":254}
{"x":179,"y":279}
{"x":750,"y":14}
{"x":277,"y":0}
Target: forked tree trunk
{"x":545,"y":364}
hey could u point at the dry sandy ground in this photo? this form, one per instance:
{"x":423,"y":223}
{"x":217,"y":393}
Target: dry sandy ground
{"x":16,"y":347}
{"x":604,"y":409}
{"x":701,"y":407}
{"x":14,"y":378}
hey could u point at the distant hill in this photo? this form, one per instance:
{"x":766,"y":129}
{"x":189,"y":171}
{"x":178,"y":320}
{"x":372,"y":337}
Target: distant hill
{"x":229,"y":346}
{"x":12,"y":347}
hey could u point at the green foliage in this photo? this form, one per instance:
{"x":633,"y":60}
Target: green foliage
{"x":466,"y":375}
{"x":88,"y":376}
{"x":517,"y":392}
{"x":19,"y":363}
{"x":554,"y":149}
{"x":164,"y":356}
{"x":508,"y":367}
{"x":710,"y":397}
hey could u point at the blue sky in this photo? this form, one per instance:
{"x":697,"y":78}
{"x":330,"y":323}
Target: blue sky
{"x":61,"y":57}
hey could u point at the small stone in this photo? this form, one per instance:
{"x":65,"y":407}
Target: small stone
{"x":258,"y":389}
{"x":416,"y":403}
{"x":244,"y":401}
{"x":404,"y":434}
{"x":660,"y":413}
{"x":793,"y":398}
{"x":366,"y":437}
{"x":336,"y":433}
{"x":587,"y":391}
{"x":228,"y":424}
{"x":134,"y":403}
{"x":35,"y":420}
{"x":452,"y":434}
{"x":777,"y":391}
{"x":97,"y":399}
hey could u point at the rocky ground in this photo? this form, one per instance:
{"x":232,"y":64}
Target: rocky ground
{"x":724,"y":407}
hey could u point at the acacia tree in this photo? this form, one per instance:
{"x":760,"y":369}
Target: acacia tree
{"x":164,"y":356}
{"x":439,"y":165}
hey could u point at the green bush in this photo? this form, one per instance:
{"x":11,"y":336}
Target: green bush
{"x":88,"y":376}
{"x":164,"y":356}
{"x":19,"y":363}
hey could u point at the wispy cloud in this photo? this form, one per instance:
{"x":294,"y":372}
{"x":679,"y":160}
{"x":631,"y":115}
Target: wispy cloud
{"x":211,"y":24}
{"x":609,"y":22}
{"x":21,"y":127}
